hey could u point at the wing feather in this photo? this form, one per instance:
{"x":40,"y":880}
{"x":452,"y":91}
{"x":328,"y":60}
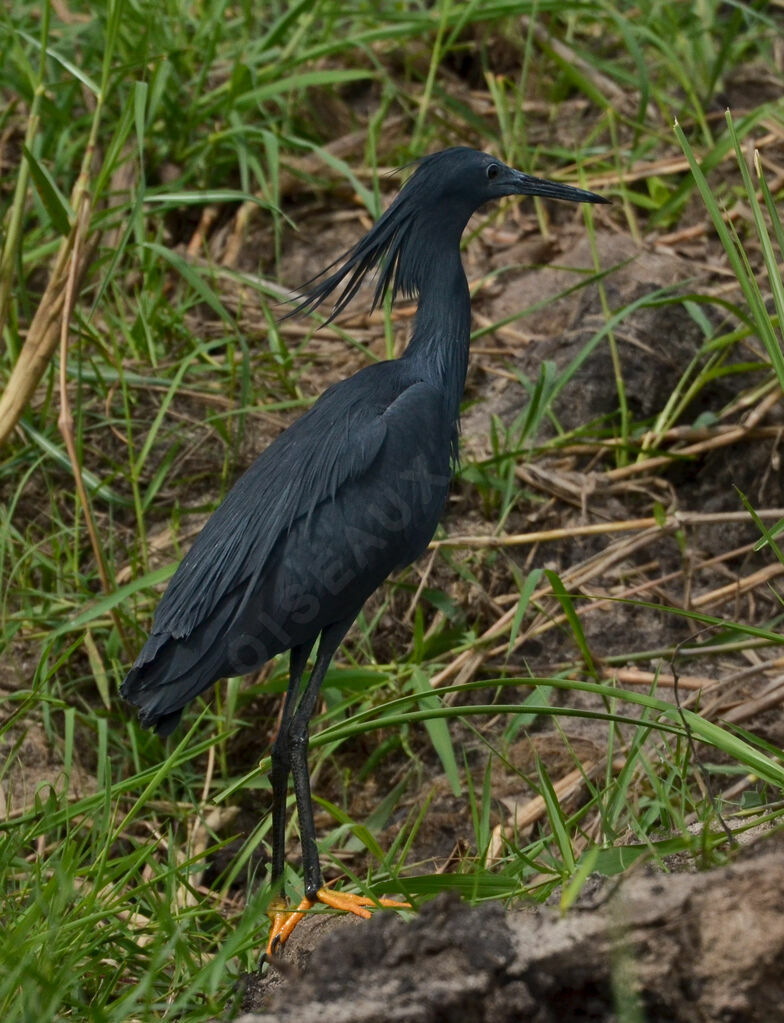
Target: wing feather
{"x":304,"y":466}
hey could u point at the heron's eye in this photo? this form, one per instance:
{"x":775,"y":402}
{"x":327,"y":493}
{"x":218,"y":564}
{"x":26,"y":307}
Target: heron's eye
{"x":492,"y":170}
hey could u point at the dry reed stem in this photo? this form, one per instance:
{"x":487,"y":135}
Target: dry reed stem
{"x":645,"y":169}
{"x":74,"y":256}
{"x":534,"y":809}
{"x":42,"y":337}
{"x":637,"y":677}
{"x":722,"y":693}
{"x":465,"y":665}
{"x":718,"y":440}
{"x":739,"y":587}
{"x":673,"y":520}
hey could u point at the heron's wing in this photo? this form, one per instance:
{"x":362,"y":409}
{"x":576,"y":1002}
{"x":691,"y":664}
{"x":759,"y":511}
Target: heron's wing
{"x":335,"y":441}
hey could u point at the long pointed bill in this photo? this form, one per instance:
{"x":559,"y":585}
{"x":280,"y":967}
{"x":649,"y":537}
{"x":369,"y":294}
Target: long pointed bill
{"x":527,"y":185}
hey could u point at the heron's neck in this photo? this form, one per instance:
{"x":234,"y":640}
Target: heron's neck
{"x":439,"y":343}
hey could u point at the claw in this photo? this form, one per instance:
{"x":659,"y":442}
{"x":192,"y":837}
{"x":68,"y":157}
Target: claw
{"x":284,"y":920}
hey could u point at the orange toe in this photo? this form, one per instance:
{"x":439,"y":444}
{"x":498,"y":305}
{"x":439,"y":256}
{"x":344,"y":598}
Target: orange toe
{"x":356,"y":904}
{"x":284,"y":920}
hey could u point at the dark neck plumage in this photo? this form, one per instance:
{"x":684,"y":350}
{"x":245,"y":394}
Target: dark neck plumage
{"x":439,"y":343}
{"x":415,"y":248}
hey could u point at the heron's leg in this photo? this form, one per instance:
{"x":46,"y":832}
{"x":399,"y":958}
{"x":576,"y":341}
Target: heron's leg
{"x":331,"y":638}
{"x":278,"y":911}
{"x":315,"y":891}
{"x":290,"y":754}
{"x":281,"y":763}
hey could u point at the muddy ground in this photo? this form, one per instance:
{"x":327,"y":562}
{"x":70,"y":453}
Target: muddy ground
{"x":683,"y":948}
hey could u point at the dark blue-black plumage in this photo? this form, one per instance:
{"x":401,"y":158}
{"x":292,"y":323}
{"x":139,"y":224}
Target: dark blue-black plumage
{"x":352,"y":490}
{"x":348,"y":493}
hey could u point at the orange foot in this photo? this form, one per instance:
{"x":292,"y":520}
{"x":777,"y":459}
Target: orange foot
{"x":285,"y":920}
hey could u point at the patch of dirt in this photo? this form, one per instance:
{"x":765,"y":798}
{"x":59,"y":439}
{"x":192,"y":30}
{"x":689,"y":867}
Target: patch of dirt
{"x":34,"y":763}
{"x":696,"y":948}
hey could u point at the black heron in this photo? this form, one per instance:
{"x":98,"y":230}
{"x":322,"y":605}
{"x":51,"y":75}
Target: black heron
{"x":347,"y":494}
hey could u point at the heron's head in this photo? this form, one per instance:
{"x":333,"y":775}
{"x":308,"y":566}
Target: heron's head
{"x":457,"y":181}
{"x":424,"y":223}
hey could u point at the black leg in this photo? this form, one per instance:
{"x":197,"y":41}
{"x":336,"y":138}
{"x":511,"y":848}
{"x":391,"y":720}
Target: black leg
{"x":281,"y":764}
{"x":331,"y":639}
